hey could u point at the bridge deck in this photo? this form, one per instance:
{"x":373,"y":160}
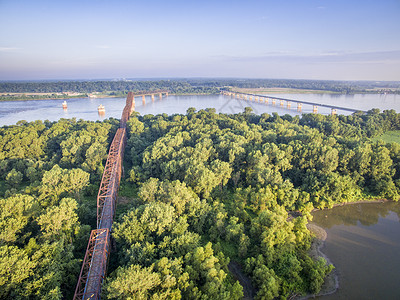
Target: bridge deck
{"x":94,"y":266}
{"x":303,"y":102}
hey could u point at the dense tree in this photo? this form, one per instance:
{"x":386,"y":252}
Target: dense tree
{"x":44,"y":233}
{"x":241,"y":174}
{"x":204,"y":189}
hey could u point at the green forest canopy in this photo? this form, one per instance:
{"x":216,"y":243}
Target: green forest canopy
{"x":204,"y":189}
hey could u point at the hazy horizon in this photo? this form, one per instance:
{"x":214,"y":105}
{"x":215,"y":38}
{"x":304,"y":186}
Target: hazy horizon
{"x":188,"y":79}
{"x":307,"y":40}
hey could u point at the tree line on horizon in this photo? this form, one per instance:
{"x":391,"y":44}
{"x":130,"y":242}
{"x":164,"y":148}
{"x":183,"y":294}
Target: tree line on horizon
{"x":194,"y":86}
{"x":201,"y":191}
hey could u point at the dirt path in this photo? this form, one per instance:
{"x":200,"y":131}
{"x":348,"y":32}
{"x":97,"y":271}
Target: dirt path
{"x":248,"y":289}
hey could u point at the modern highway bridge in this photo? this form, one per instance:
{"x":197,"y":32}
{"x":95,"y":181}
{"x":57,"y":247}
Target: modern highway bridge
{"x":94,"y":265}
{"x":265,"y":99}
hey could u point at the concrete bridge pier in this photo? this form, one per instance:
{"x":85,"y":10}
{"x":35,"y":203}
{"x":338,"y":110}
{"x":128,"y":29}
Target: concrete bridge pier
{"x":166,"y":94}
{"x":315,"y":109}
{"x":144,"y":100}
{"x":289,"y":104}
{"x":266,"y":100}
{"x":152,"y":97}
{"x":160,"y":96}
{"x":281,"y":103}
{"x":299,"y":106}
{"x":273,"y":102}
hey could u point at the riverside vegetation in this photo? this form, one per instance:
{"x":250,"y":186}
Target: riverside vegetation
{"x":120,"y":88}
{"x":201,"y":191}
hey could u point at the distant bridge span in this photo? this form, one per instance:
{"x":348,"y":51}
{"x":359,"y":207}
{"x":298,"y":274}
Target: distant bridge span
{"x":265,"y":99}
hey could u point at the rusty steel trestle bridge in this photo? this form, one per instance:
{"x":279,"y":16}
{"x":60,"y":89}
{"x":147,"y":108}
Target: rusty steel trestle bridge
{"x":94,"y":265}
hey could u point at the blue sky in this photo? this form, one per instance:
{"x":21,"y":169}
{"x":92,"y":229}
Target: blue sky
{"x":299,"y":39}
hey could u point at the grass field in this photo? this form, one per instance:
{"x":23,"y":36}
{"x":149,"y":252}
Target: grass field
{"x":389,"y":137}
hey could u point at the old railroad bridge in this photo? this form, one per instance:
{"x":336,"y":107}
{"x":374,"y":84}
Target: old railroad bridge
{"x":94,"y":265}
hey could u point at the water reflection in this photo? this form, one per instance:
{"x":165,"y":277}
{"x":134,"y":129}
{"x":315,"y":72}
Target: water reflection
{"x":364,"y":213}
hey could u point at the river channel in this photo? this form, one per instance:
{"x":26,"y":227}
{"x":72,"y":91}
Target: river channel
{"x":363,"y":243}
{"x":86,"y":108}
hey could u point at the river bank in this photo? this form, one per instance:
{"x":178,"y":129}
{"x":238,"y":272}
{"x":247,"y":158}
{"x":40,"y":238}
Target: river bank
{"x":331,"y":283}
{"x":38,"y":96}
{"x":352,"y":203}
{"x":58,"y":96}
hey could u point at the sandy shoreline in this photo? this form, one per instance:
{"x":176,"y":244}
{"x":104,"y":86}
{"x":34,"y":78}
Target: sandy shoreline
{"x":331,"y":283}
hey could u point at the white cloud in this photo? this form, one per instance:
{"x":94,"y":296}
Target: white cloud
{"x":9,"y":49}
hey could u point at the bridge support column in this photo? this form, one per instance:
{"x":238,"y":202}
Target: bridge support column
{"x":251,"y":98}
{"x":299,"y":106}
{"x":160,"y":96}
{"x":273,"y":101}
{"x":144,"y":99}
{"x":289,"y":104}
{"x":152,"y":97}
{"x":266,"y":100}
{"x":333,"y":111}
{"x":133,"y":105}
{"x":281,"y":102}
{"x":315,"y":109}
{"x":166,"y":94}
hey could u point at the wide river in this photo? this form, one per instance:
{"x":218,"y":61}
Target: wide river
{"x":86,"y":108}
{"x":363,"y":243}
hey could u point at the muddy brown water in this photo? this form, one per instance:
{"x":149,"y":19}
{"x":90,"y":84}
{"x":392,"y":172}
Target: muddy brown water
{"x":364,"y":245}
